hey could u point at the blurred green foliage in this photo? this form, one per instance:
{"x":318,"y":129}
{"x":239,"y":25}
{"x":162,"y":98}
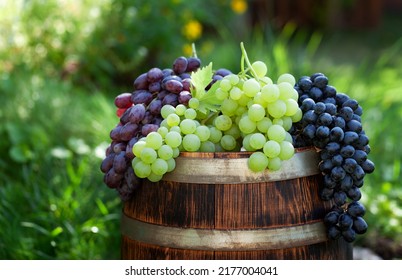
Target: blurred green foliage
{"x":62,"y":63}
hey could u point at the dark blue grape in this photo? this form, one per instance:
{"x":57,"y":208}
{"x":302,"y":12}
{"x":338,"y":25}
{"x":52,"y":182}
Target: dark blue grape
{"x":309,"y":117}
{"x":349,"y":235}
{"x":347,"y":151}
{"x":319,"y":108}
{"x":307,"y":104}
{"x":309,"y":131}
{"x":333,"y":148}
{"x":356,"y":209}
{"x":345,"y":221}
{"x":331,"y":218}
{"x":326,"y":166}
{"x":329,"y":183}
{"x":341,"y":98}
{"x":350,"y":137}
{"x":322,"y":132}
{"x":362,"y":141}
{"x":359,"y":111}
{"x":354,"y":125}
{"x":320,"y":81}
{"x":346,"y":113}
{"x":337,"y":173}
{"x":359,"y":225}
{"x":339,"y":122}
{"x":315,"y":93}
{"x":359,"y":173}
{"x":305,"y":84}
{"x":349,"y":165}
{"x":330,"y":108}
{"x":330,"y":91}
{"x":351,"y":103}
{"x":324,"y":119}
{"x":326,"y":194}
{"x":368,"y":166}
{"x":354,"y":193}
{"x":347,"y":183}
{"x":340,"y":198}
{"x":336,"y":134}
{"x":337,"y":160}
{"x":333,"y":232}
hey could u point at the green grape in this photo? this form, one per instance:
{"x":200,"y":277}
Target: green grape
{"x":176,"y":152}
{"x":221,"y":94}
{"x":173,"y":139}
{"x":218,"y":148}
{"x":259,"y":100}
{"x":166,"y":110}
{"x":171,"y":164}
{"x":257,"y":162}
{"x":246,"y":143}
{"x":288,"y":137}
{"x":260,"y":68}
{"x":194,"y":103}
{"x":287,"y":122}
{"x":188,"y":126}
{"x":159,"y":166}
{"x":270,"y":93}
{"x":274,"y":164}
{"x":202,"y":132}
{"x":271,"y":149}
{"x":287,"y":78}
{"x":165,"y":152}
{"x":154,"y":140}
{"x":207,"y":147}
{"x":243,"y":101}
{"x":277,"y":109}
{"x":264,"y":124}
{"x":223,"y":122}
{"x":163,"y":131}
{"x":235,"y":93}
{"x":228,"y":107}
{"x":266,"y":80}
{"x":225,"y":84}
{"x":251,"y":87}
{"x":148,"y":155}
{"x":291,"y":107}
{"x":234,"y":131}
{"x":215,"y":135}
{"x":180,"y":109}
{"x":256,"y":112}
{"x":297,"y":116}
{"x":246,"y":125}
{"x":142,"y":169}
{"x":257,"y":140}
{"x":233,"y":78}
{"x":278,"y":121}
{"x":285,"y":91}
{"x":228,"y":142}
{"x":276,"y":132}
{"x":240,"y":110}
{"x":190,"y":113}
{"x":154,"y":177}
{"x":175,"y":128}
{"x":191,"y":143}
{"x":287,"y":150}
{"x":137,"y":148}
{"x":173,"y":120}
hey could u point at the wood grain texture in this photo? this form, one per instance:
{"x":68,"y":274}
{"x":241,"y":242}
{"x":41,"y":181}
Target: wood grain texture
{"x":261,"y":205}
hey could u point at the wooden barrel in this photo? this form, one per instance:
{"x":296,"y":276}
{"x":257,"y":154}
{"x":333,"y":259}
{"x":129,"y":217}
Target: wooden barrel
{"x":213,"y":207}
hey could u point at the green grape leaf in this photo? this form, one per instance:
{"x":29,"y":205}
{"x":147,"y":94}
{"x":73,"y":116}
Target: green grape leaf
{"x":200,"y":80}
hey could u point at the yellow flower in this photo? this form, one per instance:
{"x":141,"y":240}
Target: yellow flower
{"x":239,"y":6}
{"x":192,"y":30}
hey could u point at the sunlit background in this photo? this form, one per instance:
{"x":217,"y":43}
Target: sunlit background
{"x":63,"y":62}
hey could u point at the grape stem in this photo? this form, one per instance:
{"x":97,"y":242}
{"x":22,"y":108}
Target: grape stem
{"x":245,"y":58}
{"x":194,"y":50}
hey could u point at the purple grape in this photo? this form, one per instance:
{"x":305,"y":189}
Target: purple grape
{"x":180,"y":65}
{"x":137,"y":113}
{"x":155,"y":107}
{"x":173,"y":85}
{"x":115,"y":133}
{"x":107,"y":163}
{"x":154,"y":87}
{"x":113,"y":179}
{"x":129,"y":148}
{"x":141,"y":96}
{"x":184,"y":97}
{"x":118,"y":147}
{"x":148,"y":128}
{"x":171,"y":99}
{"x":123,"y":100}
{"x":193,"y":63}
{"x":128,"y":131}
{"x":186,"y":84}
{"x":120,"y":163}
{"x":154,"y":75}
{"x":141,"y":82}
{"x":147,"y":118}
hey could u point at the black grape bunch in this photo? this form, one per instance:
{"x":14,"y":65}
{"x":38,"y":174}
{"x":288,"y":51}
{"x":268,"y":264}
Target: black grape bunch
{"x":331,"y":122}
